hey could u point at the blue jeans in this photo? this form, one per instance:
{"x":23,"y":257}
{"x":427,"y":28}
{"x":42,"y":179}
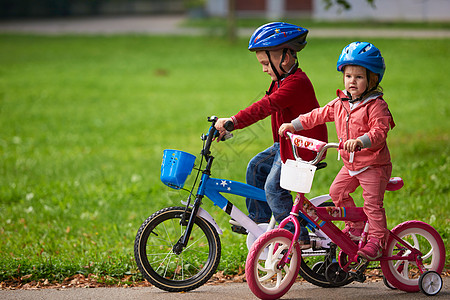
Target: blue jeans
{"x":264,"y":171}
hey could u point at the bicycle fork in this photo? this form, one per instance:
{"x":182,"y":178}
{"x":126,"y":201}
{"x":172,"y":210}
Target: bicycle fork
{"x":182,"y":242}
{"x":293,"y":217}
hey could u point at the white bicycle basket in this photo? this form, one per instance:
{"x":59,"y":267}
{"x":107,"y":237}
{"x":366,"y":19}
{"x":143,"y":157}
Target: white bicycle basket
{"x":297,"y":176}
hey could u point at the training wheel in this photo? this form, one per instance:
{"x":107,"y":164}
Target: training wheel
{"x":318,"y":267}
{"x":335,"y":275}
{"x":430,"y":283}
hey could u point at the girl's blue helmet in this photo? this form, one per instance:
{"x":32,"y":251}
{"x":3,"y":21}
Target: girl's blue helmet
{"x":278,"y":35}
{"x":362,"y":54}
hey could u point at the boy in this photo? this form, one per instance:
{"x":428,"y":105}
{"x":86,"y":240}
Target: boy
{"x":290,"y":94}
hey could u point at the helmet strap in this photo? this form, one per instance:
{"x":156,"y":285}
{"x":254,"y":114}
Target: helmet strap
{"x":273,"y":66}
{"x":360,"y":98}
{"x":285,"y":74}
{"x":282,"y":59}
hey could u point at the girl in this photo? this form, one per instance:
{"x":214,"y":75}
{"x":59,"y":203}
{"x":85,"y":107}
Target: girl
{"x":362,"y":120}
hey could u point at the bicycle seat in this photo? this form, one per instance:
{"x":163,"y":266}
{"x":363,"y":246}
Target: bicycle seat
{"x":394,"y":184}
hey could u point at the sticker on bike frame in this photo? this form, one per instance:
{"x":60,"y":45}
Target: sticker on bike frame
{"x":309,"y":209}
{"x":337,"y":212}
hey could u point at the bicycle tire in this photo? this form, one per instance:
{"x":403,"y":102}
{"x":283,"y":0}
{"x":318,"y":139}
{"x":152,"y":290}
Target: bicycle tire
{"x":430,"y":283}
{"x":403,"y":274}
{"x":155,"y":259}
{"x":260,"y":273}
{"x":314,"y":275}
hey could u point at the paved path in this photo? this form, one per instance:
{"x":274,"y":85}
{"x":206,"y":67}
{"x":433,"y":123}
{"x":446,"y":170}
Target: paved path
{"x":231,"y":291}
{"x":164,"y":25}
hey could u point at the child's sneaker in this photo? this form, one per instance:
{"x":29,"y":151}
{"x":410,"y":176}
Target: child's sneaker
{"x":304,"y":245}
{"x":353,"y":233}
{"x":371,"y":250}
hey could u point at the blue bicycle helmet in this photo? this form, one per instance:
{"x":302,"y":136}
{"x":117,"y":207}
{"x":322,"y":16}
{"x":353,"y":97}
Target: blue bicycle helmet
{"x":278,"y":35}
{"x":362,"y":54}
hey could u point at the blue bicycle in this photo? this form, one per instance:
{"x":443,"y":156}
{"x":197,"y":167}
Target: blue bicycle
{"x":178,"y":249}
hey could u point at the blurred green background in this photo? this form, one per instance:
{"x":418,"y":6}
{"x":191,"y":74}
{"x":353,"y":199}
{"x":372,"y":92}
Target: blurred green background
{"x":84,"y":121}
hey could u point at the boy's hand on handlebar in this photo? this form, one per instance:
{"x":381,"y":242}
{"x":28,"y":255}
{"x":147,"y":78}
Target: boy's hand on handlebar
{"x":220,"y":127}
{"x":353,"y":145}
{"x":284,"y":128}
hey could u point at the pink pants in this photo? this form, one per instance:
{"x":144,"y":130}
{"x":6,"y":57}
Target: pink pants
{"x":373,"y":182}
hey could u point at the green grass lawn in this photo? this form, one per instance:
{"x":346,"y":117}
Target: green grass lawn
{"x":84,"y":121}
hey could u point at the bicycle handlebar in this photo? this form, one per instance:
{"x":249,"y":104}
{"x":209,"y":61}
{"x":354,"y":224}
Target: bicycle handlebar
{"x":316,"y":146}
{"x":311,"y":144}
{"x":214,"y":133}
{"x":229,"y":125}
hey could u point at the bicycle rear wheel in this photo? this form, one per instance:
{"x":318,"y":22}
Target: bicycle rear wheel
{"x":404,"y":274}
{"x":264,"y":278}
{"x":156,"y":260}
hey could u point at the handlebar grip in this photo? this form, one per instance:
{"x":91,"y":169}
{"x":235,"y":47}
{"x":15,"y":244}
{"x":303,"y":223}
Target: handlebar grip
{"x":229,"y":125}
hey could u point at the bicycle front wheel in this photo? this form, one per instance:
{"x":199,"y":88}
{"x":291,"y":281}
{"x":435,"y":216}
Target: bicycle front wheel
{"x":404,"y":274}
{"x":264,"y":277}
{"x":153,"y":251}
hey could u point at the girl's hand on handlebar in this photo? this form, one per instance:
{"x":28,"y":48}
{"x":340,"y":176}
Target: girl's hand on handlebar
{"x":353,"y":145}
{"x":285,"y":127}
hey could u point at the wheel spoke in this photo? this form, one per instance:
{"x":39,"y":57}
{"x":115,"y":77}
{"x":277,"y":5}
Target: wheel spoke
{"x":405,"y":272}
{"x":398,"y":265}
{"x":194,"y":242}
{"x":167,"y":264}
{"x":429,"y":254}
{"x":416,"y":241}
{"x":266,"y":277}
{"x":268,"y":273}
{"x":165,"y":269}
{"x":280,"y":249}
{"x":279,"y":279}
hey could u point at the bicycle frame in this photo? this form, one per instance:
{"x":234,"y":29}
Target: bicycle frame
{"x":412,"y":247}
{"x":213,"y":188}
{"x":322,"y":217}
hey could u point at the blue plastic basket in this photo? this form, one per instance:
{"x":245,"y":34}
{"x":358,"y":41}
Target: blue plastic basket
{"x":175,"y":168}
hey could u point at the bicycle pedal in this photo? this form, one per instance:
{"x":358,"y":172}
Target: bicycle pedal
{"x":359,"y":277}
{"x":239,"y":229}
{"x":357,"y":271}
{"x":315,"y":246}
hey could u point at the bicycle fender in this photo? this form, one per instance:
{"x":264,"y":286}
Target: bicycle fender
{"x":205,"y":215}
{"x":319,"y":199}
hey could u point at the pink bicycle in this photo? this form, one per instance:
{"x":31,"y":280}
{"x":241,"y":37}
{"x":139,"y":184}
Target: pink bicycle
{"x":412,"y":261}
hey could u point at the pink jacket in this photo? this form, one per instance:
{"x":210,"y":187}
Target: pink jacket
{"x":369,"y":121}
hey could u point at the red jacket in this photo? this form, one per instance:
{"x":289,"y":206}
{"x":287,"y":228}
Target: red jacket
{"x":294,"y":96}
{"x":370,"y":121}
